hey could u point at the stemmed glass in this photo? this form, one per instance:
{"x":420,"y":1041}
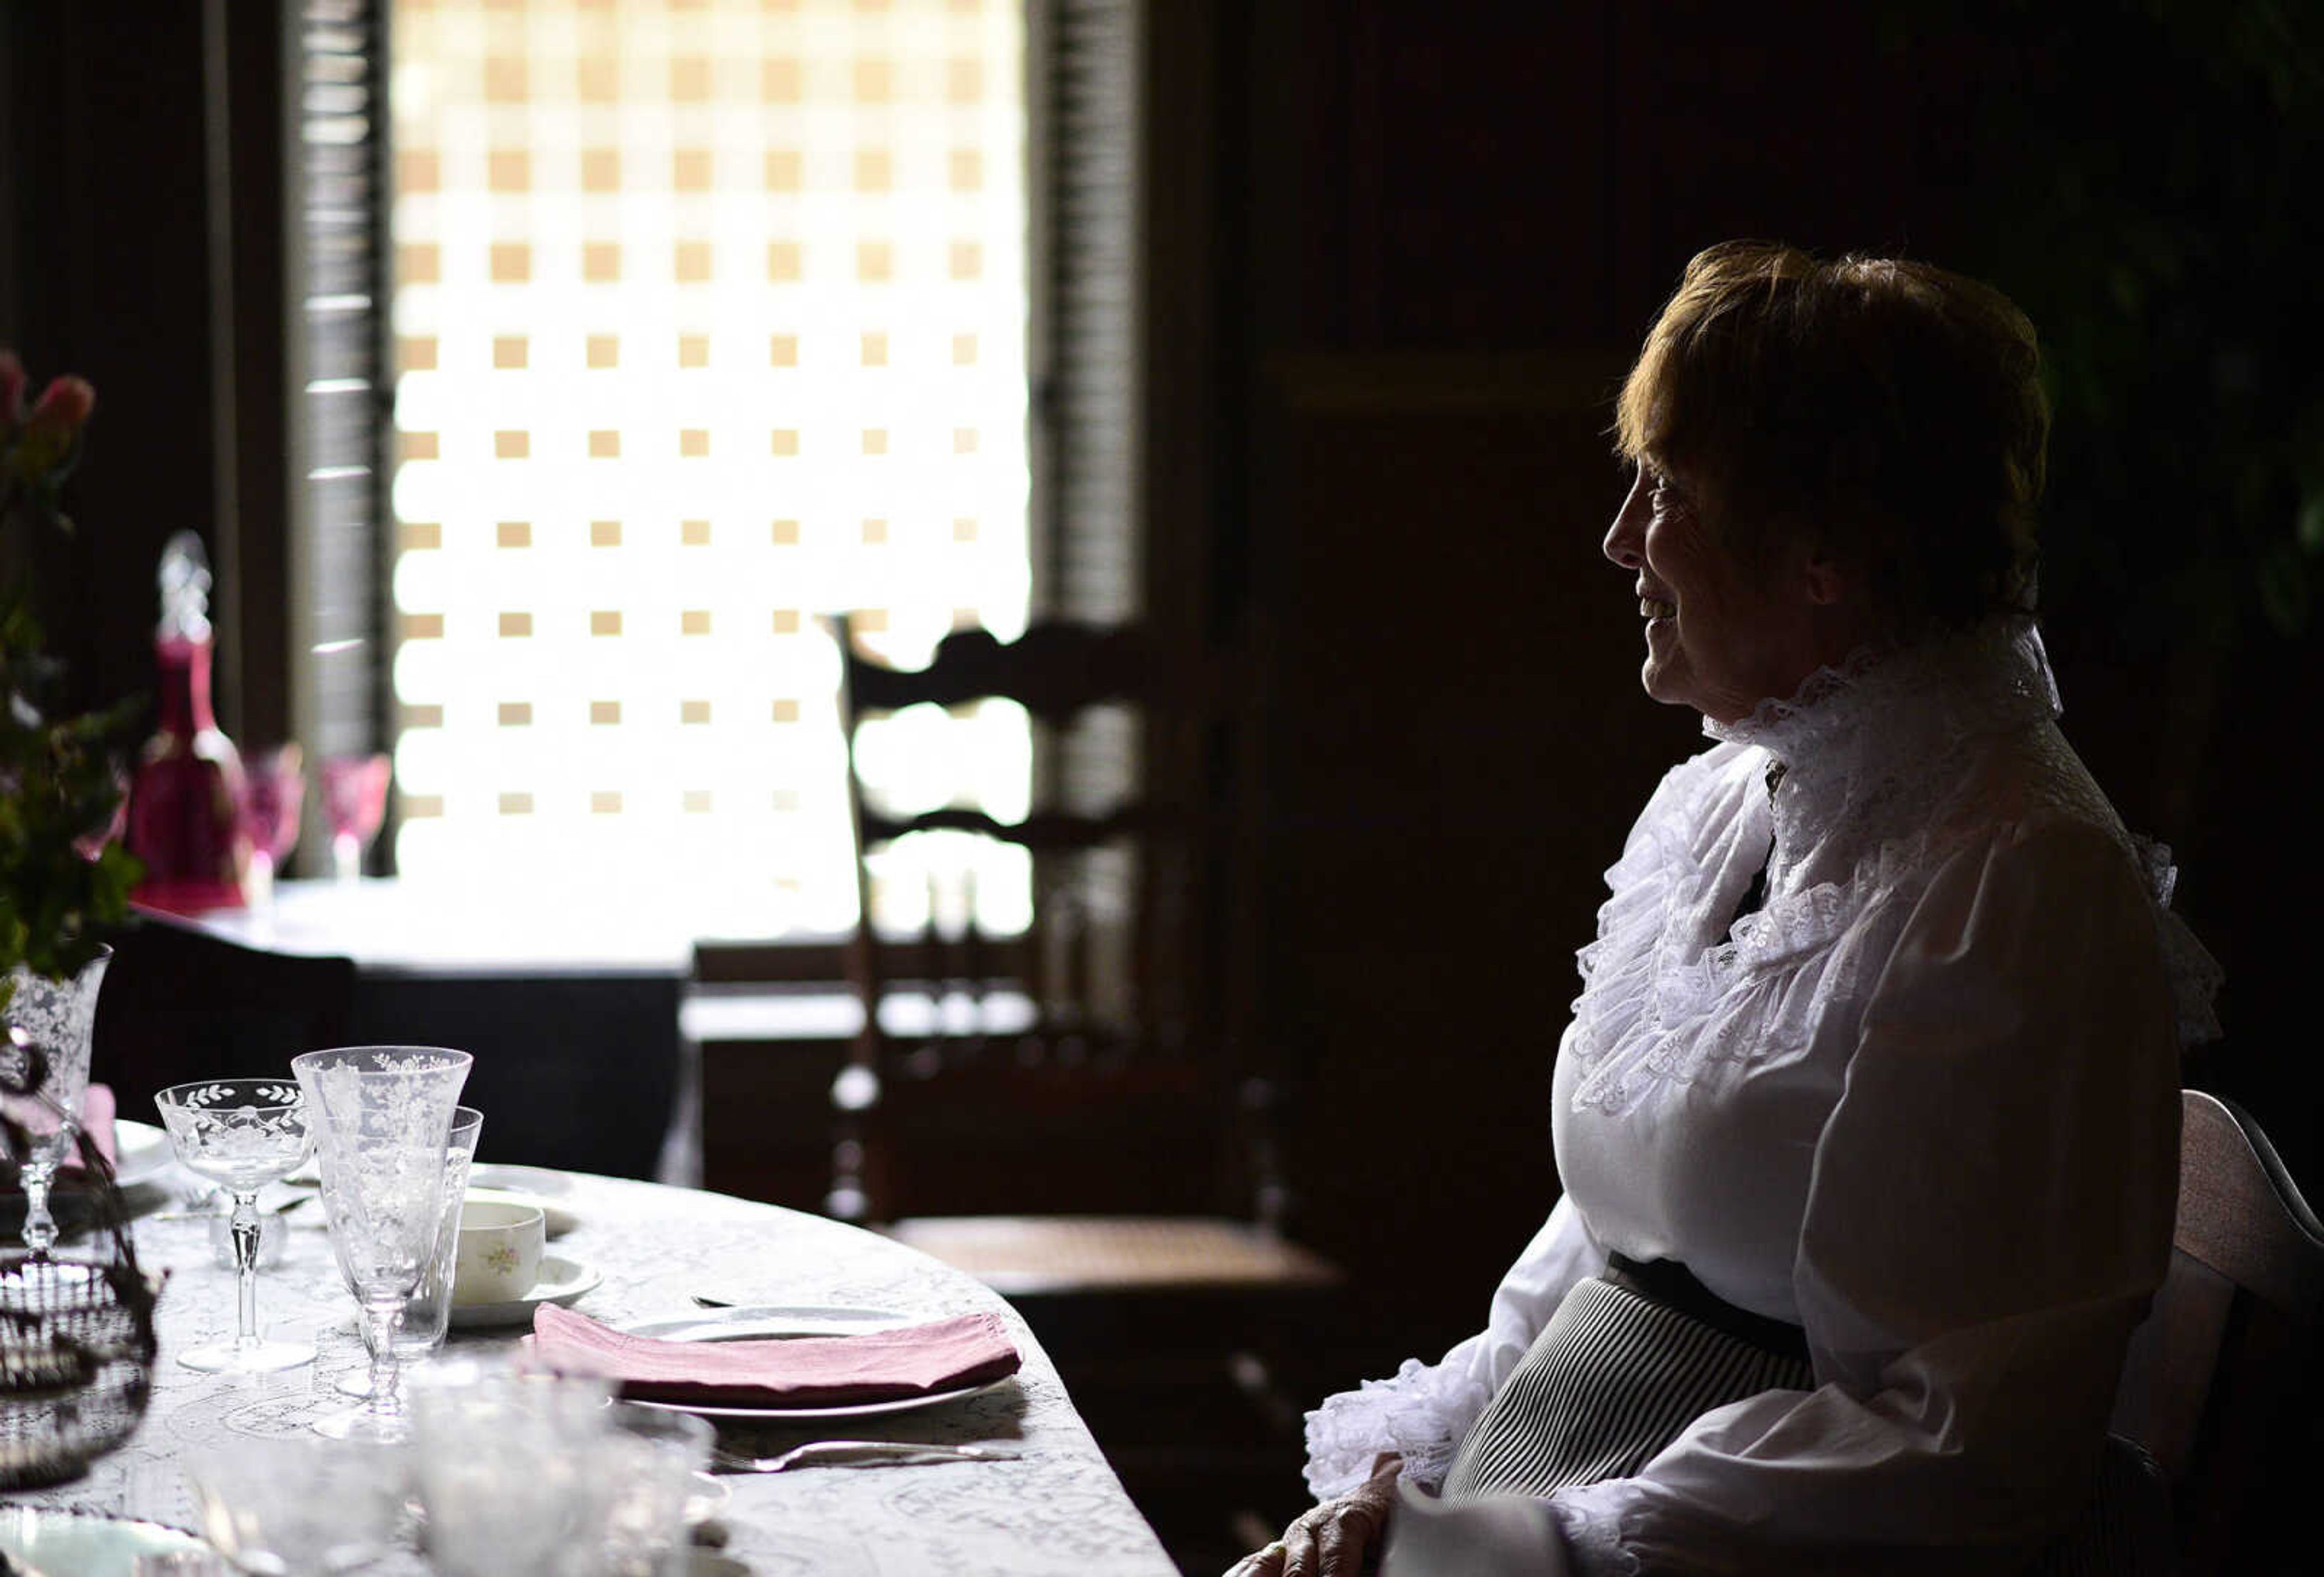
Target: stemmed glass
{"x":355,"y":801}
{"x":272,"y":785}
{"x":427,"y":1311}
{"x":383,"y":1121}
{"x":48,"y":1026}
{"x":241,"y":1134}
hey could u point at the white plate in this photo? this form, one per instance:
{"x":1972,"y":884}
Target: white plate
{"x":518,"y":1179}
{"x":141,"y":1152}
{"x":812,"y":1415}
{"x":562,"y":1282}
{"x":50,"y":1540}
{"x":766,"y":1323}
{"x":540,"y":1181}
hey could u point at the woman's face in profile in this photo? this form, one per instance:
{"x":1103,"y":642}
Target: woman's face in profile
{"x":1722,"y":635}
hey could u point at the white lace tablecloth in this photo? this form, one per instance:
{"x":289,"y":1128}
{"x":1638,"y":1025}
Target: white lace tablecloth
{"x":1058,"y":1509}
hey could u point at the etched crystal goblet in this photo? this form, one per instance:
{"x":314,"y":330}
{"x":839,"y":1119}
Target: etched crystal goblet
{"x":427,"y":1311}
{"x":241,"y":1134}
{"x":48,"y":1025}
{"x":382,"y":1123}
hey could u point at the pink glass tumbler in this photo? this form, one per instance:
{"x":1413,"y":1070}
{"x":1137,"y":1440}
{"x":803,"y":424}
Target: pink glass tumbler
{"x":273,"y":782}
{"x":355,"y":802}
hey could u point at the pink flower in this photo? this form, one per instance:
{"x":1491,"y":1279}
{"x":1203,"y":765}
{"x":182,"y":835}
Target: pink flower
{"x":37,"y":452}
{"x":90,"y":845}
{"x":64,"y":405}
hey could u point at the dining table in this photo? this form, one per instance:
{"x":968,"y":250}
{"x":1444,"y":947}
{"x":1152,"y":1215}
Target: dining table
{"x":627,"y":1252}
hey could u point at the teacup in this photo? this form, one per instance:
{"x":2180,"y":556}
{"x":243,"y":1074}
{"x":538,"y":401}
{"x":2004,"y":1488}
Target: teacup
{"x":499,"y":1256}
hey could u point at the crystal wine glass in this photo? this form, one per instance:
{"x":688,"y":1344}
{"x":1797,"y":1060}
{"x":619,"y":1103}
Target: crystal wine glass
{"x":383,"y":1121}
{"x":355,"y":801}
{"x":273,"y":782}
{"x":428,"y":1313}
{"x":49,"y":1024}
{"x":241,"y":1134}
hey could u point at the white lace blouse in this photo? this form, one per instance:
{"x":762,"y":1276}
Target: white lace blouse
{"x":1923,"y":1102}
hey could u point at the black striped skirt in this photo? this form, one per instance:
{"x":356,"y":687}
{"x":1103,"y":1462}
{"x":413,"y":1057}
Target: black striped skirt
{"x":1632,"y":1357}
{"x":1613,"y":1378}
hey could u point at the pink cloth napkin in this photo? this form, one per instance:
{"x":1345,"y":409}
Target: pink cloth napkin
{"x":97,"y":1110}
{"x":806,"y":1371}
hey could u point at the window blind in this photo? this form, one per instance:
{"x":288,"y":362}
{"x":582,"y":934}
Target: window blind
{"x":1084,"y":109}
{"x":1084,"y":64}
{"x":709,"y":318}
{"x":339,"y":410}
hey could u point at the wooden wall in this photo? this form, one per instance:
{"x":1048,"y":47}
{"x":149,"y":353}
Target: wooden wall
{"x":1434,"y":236}
{"x":113,"y":269}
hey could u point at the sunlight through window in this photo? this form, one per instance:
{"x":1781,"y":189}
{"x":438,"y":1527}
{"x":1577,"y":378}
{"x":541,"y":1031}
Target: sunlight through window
{"x":709,"y":320}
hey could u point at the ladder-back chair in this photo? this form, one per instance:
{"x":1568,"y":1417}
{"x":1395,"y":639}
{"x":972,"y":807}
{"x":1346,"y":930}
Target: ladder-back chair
{"x":1104,"y":1158}
{"x":1101,"y":1143}
{"x":2218,"y":1385}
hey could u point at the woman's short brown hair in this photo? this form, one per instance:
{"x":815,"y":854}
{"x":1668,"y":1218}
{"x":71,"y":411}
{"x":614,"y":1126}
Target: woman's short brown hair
{"x":1889,"y":411}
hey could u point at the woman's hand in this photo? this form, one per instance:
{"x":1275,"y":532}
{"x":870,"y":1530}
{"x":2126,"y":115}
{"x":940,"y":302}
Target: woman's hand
{"x":1334,"y":1539}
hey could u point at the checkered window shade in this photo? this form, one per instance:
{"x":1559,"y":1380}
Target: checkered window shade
{"x":709,"y":317}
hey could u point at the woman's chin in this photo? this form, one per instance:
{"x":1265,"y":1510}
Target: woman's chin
{"x":1670,"y":694}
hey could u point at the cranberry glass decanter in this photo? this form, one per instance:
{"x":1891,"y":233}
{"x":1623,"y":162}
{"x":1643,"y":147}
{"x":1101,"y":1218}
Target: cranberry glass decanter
{"x":185,"y":803}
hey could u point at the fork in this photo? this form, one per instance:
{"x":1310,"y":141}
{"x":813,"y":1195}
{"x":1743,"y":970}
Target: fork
{"x":891,"y":1450}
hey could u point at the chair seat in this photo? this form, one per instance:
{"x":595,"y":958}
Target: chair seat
{"x":1028,"y":1256}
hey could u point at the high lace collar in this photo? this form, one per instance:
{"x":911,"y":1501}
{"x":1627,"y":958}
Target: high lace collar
{"x":1861,"y":734}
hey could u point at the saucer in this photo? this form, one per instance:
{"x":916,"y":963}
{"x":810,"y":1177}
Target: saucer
{"x":562,"y":1281}
{"x":509,"y":1179}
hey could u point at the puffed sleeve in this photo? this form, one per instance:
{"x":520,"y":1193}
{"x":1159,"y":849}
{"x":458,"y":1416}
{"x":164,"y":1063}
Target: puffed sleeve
{"x":1422,"y":1412}
{"x":1990,"y":1208}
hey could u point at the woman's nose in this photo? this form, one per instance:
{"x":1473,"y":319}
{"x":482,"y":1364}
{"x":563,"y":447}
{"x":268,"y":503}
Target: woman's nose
{"x":1624,"y":537}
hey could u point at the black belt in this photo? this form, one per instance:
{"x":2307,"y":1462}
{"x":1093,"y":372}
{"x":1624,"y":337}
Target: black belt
{"x":1671,"y":1285}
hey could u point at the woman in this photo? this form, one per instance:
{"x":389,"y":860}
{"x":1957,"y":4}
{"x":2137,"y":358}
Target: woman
{"x":1868,"y":1114}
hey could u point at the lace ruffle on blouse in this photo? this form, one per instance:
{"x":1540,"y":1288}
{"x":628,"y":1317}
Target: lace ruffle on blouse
{"x":1877,"y":791}
{"x":1411,"y":1414}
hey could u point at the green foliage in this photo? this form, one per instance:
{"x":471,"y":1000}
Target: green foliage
{"x":2153,"y":174}
{"x":62,"y":777}
{"x":61,"y":787}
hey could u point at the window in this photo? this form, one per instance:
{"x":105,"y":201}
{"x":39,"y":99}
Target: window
{"x":709,"y":317}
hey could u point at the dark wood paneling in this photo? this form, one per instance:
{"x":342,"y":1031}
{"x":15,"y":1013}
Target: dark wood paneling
{"x":1457,"y":740}
{"x":112,"y":280}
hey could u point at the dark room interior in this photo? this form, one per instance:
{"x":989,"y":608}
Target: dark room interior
{"x":1395,"y":260}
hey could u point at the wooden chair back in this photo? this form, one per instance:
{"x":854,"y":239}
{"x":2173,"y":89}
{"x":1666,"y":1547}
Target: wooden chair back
{"x":1041,"y":1081}
{"x":2217,"y":1373}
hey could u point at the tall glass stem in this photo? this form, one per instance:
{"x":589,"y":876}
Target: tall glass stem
{"x":245,"y":1230}
{"x":383,"y":1314}
{"x":39,"y":1226}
